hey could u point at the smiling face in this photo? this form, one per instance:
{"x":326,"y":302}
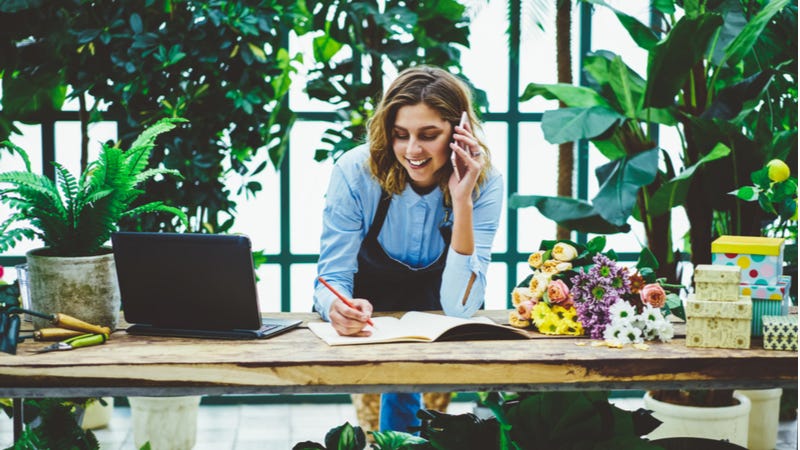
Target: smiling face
{"x":420,"y":139}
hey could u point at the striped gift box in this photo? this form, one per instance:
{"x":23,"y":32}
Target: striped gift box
{"x":768,"y":306}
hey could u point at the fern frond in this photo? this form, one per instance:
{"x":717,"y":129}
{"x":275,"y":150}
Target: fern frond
{"x":11,"y":219}
{"x":148,"y":136}
{"x":147,"y":174}
{"x":69,"y":188}
{"x":159,"y":207}
{"x":10,"y":238}
{"x":27,"y":181}
{"x":22,"y":153}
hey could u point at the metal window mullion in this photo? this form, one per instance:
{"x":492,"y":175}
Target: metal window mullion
{"x":513,"y":121}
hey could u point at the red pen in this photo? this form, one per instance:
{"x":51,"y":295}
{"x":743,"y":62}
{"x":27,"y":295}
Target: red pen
{"x":341,"y":297}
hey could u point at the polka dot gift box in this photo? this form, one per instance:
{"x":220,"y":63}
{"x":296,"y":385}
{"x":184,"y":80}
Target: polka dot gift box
{"x":760,"y":258}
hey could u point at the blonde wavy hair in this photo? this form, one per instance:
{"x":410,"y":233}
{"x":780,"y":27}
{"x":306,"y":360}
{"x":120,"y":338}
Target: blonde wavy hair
{"x":439,"y":90}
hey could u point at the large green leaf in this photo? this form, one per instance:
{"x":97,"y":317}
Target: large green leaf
{"x":620,"y":181}
{"x":747,"y":38}
{"x":572,"y":213}
{"x":671,"y":60}
{"x":643,"y":35}
{"x":673,"y":193}
{"x":628,"y":87}
{"x":571,"y":124}
{"x":27,"y":95}
{"x":572,"y":96}
{"x":730,"y":101}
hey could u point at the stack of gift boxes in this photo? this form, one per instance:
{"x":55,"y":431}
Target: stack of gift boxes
{"x":717,"y":315}
{"x":751,"y":294}
{"x":761,"y":261}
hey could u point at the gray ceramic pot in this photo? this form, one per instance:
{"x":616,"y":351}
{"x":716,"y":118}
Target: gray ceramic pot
{"x":84,"y":287}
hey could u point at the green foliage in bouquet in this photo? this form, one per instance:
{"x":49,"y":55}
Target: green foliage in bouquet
{"x":76,"y":216}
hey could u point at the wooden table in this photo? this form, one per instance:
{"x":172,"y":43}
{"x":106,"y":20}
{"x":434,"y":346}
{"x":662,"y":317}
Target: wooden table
{"x":298,"y":361}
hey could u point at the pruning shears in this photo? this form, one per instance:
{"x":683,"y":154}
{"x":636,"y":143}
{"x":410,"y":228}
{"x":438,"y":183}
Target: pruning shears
{"x":84,"y":340}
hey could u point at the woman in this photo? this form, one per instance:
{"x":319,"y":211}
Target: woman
{"x":401,"y":229}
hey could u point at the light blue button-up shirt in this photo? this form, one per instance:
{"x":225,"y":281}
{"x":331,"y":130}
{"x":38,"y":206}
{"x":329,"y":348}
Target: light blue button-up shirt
{"x":410,"y":234}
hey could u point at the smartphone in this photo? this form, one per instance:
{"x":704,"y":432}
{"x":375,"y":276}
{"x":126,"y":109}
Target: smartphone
{"x":453,"y":159}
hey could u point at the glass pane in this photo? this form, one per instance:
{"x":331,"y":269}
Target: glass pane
{"x":496,"y":290}
{"x":260,"y":216}
{"x":309,"y":181}
{"x":68,"y":142}
{"x":269,"y":287}
{"x":31,"y":141}
{"x":609,"y":34}
{"x":497,"y":140}
{"x":489,"y":48}
{"x":538,"y":173}
{"x":298,"y":99}
{"x":303,"y":276}
{"x":538,"y":56}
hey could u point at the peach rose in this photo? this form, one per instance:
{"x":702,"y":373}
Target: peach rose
{"x":524,"y":309}
{"x":558,"y":293}
{"x":653,"y":294}
{"x":553,"y":266}
{"x":564,"y":252}
{"x":535,"y":260}
{"x":538,"y":285}
{"x":521,"y":294}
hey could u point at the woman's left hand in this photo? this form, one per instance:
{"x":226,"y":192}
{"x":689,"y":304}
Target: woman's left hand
{"x":468,"y":161}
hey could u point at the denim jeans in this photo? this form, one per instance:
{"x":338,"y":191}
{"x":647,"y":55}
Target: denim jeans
{"x":399,"y":411}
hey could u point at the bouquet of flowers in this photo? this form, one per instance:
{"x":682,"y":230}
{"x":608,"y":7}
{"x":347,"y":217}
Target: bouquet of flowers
{"x":577,"y":289}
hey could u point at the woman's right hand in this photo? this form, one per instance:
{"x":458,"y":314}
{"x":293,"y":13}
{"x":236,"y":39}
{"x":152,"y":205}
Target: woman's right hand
{"x":349,"y":321}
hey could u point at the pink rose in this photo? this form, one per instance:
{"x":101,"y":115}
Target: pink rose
{"x":558,"y":293}
{"x":524,"y":309}
{"x":653,"y":295}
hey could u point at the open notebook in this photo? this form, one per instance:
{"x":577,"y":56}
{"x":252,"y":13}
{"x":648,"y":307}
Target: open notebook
{"x":416,"y":326}
{"x":195,"y":285}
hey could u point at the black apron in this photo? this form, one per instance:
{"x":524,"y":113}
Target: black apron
{"x":391,"y":285}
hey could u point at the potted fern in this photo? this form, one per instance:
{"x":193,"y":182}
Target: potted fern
{"x":74,"y":273}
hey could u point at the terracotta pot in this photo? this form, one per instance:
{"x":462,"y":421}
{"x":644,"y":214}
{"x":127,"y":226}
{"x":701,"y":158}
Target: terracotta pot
{"x":84,"y":287}
{"x":728,"y":423}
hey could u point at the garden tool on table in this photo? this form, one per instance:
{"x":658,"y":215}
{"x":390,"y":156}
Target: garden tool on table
{"x":64,"y":326}
{"x":84,"y":340}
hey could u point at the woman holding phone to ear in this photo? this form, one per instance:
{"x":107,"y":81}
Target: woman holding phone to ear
{"x":402,"y":230}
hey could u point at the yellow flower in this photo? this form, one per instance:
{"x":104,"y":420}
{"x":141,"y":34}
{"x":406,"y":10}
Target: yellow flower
{"x":535,"y":259}
{"x":778,"y":171}
{"x":564,"y":252}
{"x":549,"y":326}
{"x":540,"y":313}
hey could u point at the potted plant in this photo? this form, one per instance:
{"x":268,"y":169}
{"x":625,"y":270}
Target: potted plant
{"x":706,"y":76}
{"x":74,"y":272}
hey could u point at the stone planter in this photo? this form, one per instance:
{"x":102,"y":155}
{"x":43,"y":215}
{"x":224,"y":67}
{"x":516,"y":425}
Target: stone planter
{"x":728,"y":423}
{"x":84,"y":287}
{"x":765,"y":408}
{"x":167,"y":423}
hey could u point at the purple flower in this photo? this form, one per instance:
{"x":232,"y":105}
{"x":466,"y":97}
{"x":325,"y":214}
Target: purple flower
{"x":596,"y":290}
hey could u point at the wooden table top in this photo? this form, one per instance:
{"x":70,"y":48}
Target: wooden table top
{"x":298,"y":361}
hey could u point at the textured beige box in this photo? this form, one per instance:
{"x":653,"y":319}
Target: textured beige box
{"x":718,"y":324}
{"x":717,"y":282}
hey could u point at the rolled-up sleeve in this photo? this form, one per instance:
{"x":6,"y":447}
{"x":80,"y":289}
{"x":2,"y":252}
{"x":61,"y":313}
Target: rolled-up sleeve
{"x":468,"y":272}
{"x":342,"y":233}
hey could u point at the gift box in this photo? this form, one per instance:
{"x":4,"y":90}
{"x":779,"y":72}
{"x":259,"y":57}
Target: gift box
{"x":717,"y":282}
{"x":760,"y":258}
{"x":767,"y":301}
{"x":780,"y":332}
{"x":718,"y":324}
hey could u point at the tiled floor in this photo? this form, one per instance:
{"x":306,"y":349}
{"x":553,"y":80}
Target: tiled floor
{"x":280,"y":426}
